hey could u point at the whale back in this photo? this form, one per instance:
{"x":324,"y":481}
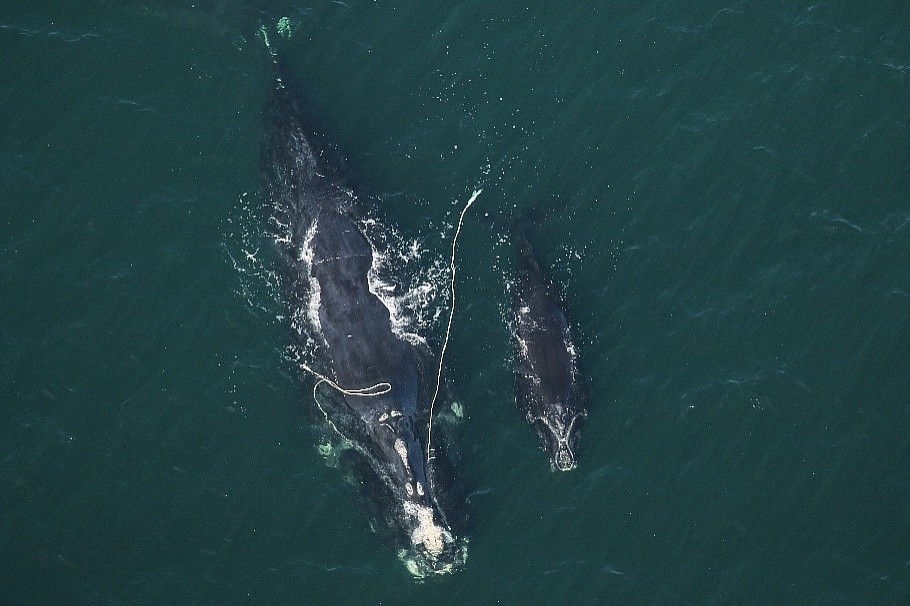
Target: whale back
{"x":299,"y":163}
{"x":547,"y":363}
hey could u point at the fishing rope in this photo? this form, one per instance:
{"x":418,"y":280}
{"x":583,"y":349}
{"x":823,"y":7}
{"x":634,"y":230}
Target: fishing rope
{"x":445,"y":343}
{"x":324,"y":413}
{"x":367,"y":392}
{"x":346,"y":441}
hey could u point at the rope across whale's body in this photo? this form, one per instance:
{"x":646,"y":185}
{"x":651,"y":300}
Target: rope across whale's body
{"x":368,"y":392}
{"x":384,"y":387}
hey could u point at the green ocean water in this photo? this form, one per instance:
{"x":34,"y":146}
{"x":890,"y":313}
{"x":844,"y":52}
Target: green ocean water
{"x":724,"y":197}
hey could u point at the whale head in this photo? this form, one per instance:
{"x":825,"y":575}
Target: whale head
{"x":559,"y":436}
{"x":418,"y":488}
{"x":433,"y":549}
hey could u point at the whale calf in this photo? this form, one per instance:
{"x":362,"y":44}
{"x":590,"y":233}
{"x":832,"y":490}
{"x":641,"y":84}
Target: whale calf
{"x":372,"y":386}
{"x":548,"y":388}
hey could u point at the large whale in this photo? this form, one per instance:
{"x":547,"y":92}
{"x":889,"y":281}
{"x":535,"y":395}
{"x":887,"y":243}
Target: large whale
{"x":548,"y":388}
{"x":372,"y":385}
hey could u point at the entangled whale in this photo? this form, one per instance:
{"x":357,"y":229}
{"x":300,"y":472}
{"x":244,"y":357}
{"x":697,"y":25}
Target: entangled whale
{"x":373,"y":386}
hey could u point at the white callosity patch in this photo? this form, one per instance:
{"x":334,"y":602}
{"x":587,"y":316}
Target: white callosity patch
{"x":557,"y":428}
{"x":427,"y":534}
{"x":402,"y":451}
{"x":562,"y":432}
{"x":386,"y":417}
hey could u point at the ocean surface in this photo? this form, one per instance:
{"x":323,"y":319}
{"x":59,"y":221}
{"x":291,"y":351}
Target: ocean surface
{"x":720,"y":188}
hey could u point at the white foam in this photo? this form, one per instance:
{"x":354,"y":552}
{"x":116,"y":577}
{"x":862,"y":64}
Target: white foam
{"x":406,"y":310}
{"x":523,"y":348}
{"x":286,"y":27}
{"x":306,"y":255}
{"x":385,"y":292}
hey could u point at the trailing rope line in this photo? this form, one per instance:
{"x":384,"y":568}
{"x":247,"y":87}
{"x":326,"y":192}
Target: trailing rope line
{"x":325,"y":414}
{"x":345,"y":440}
{"x":445,"y":343}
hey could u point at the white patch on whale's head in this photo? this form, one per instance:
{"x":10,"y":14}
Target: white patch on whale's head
{"x":433,"y":549}
{"x":427,"y":535}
